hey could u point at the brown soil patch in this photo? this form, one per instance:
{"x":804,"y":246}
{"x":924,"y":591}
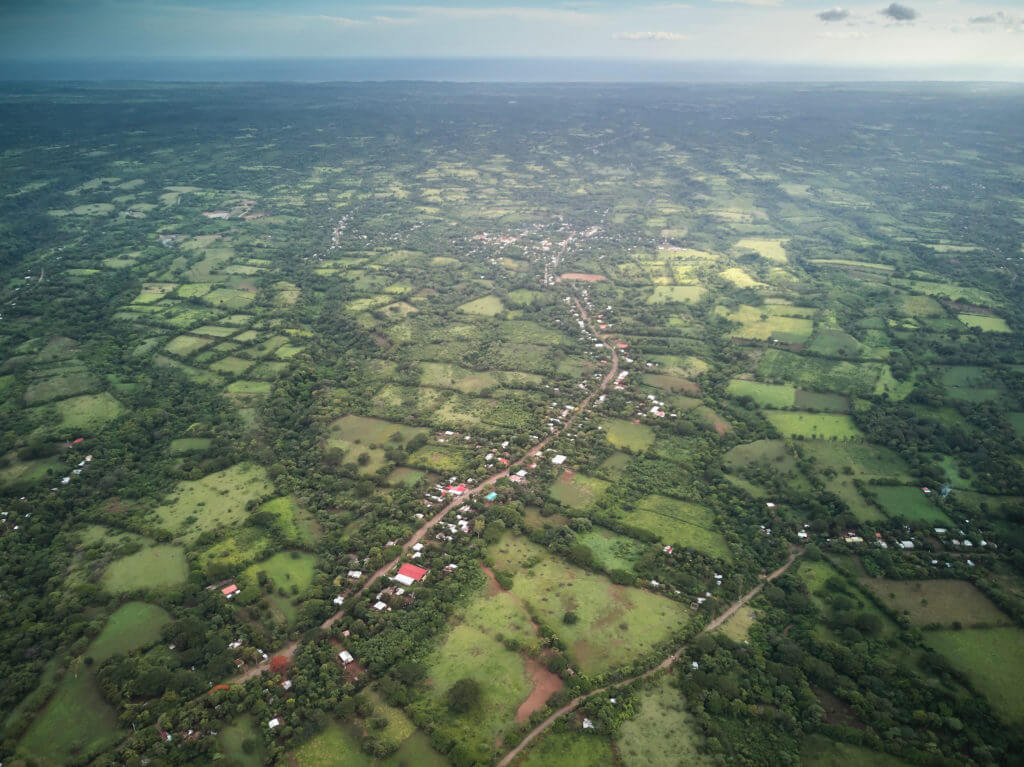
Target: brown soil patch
{"x":583,"y":277}
{"x":545,"y":684}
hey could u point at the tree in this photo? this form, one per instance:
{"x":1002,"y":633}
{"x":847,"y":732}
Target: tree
{"x":463,"y":696}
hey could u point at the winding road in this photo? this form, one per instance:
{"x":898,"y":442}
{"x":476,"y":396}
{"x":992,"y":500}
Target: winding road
{"x":663,"y":666}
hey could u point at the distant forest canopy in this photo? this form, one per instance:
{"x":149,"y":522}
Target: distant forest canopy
{"x":375,"y":423}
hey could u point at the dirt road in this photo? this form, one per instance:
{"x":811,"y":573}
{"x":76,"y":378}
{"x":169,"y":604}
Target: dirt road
{"x":663,"y":666}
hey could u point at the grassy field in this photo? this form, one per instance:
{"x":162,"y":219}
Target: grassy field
{"x":771,"y":250}
{"x":133,"y":625}
{"x":358,"y":435}
{"x":291,"y":571}
{"x":676,"y":294}
{"x":678,"y":523}
{"x":819,"y":751}
{"x":737,"y":628}
{"x":940,"y":602}
{"x":985,"y":322}
{"x":338,"y":744}
{"x":765,"y":395}
{"x":817,"y":374}
{"x":76,"y":722}
{"x":577,"y":490}
{"x":835,"y":343}
{"x":216,"y":500}
{"x":615,"y":622}
{"x":488,"y":306}
{"x":89,"y":411}
{"x":635,"y":437}
{"x":234,"y":735}
{"x":60,"y":387}
{"x":764,"y":323}
{"x":151,"y":568}
{"x":294,"y":523}
{"x":560,"y":748}
{"x":795,"y":423}
{"x":403,"y":476}
{"x":663,"y":734}
{"x":993,"y":659}
{"x":190,"y":445}
{"x":612,"y":551}
{"x":909,"y":502}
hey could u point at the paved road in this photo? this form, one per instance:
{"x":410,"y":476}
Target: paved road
{"x":289,"y":649}
{"x":663,"y":666}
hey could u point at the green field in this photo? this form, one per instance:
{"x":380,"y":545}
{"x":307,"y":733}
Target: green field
{"x":772,"y":250}
{"x":612,"y":551}
{"x":577,"y":490}
{"x":985,"y":323}
{"x":635,"y":437}
{"x":214,"y":501}
{"x":678,"y":523}
{"x":235,"y":734}
{"x":832,"y":342}
{"x":151,"y":568}
{"x":767,"y":322}
{"x":676,"y":294}
{"x":993,"y":659}
{"x":909,"y":502}
{"x":190,"y":445}
{"x":488,"y":306}
{"x":290,"y":571}
{"x":403,"y":476}
{"x":133,"y":625}
{"x":794,"y":423}
{"x":663,"y":734}
{"x":60,"y":386}
{"x":765,"y":395}
{"x":76,"y":722}
{"x":87,"y":412}
{"x":817,"y":374}
{"x":615,"y":622}
{"x":184,"y":346}
{"x":561,"y":748}
{"x":819,"y":751}
{"x":941,"y":602}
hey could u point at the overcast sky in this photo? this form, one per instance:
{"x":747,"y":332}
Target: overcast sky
{"x":855,"y":33}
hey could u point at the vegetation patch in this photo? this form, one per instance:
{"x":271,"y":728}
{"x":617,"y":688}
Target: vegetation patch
{"x":938,"y":602}
{"x":993,"y":660}
{"x":150,"y":568}
{"x":765,"y":395}
{"x":794,"y":423}
{"x":488,"y":306}
{"x":216,"y":500}
{"x":663,"y":733}
{"x":678,"y":523}
{"x":88,"y":411}
{"x":635,"y":437}
{"x":133,"y":625}
{"x":985,"y":322}
{"x":676,"y":294}
{"x":577,"y":490}
{"x":909,"y":503}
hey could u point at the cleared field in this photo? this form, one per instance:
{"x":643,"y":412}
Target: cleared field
{"x":89,"y":411}
{"x":685,"y":366}
{"x":133,"y":625}
{"x":663,"y":734}
{"x":829,"y":403}
{"x":678,"y":523}
{"x":615,"y":622}
{"x":941,"y":602}
{"x":986,"y":323}
{"x":819,"y":751}
{"x":765,"y":395}
{"x":818,"y":374}
{"x":835,"y":343}
{"x":152,"y":568}
{"x":764,"y":323}
{"x":290,"y":571}
{"x":612,"y":551}
{"x":635,"y":437}
{"x":488,"y":306}
{"x":769,"y":249}
{"x":561,"y":748}
{"x":909,"y":502}
{"x":672,"y":383}
{"x":993,"y":659}
{"x":359,"y":429}
{"x":215,"y":500}
{"x":577,"y":490}
{"x":190,"y":445}
{"x":405,"y":477}
{"x":60,"y":387}
{"x":737,"y":628}
{"x":676,"y":294}
{"x":231,"y":365}
{"x":76,"y":721}
{"x":184,"y":346}
{"x":794,"y":423}
{"x":443,"y":458}
{"x":234,"y":735}
{"x":740,"y":278}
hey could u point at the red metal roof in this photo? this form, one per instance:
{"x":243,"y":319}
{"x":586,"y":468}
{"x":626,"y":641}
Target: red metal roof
{"x":412,"y":571}
{"x":229,"y":589}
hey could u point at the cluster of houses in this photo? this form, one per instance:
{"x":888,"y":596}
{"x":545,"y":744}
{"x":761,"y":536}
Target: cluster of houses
{"x":82,"y":465}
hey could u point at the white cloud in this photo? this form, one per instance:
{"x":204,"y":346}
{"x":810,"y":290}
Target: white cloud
{"x":834,"y":14}
{"x":651,"y":36}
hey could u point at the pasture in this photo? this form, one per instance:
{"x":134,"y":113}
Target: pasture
{"x":663,"y":734}
{"x":766,"y":323}
{"x":577,"y":490}
{"x":676,"y":294}
{"x":795,"y":423}
{"x":60,"y":386}
{"x":938,"y":602}
{"x":737,"y":628}
{"x":88,"y":411}
{"x":612,"y":551}
{"x":765,"y":395}
{"x":993,"y":660}
{"x":678,"y":523}
{"x":910,"y":503}
{"x":288,"y":571}
{"x":819,"y":751}
{"x":488,"y":306}
{"x":985,"y":322}
{"x":403,"y":476}
{"x":234,"y":735}
{"x":771,"y":250}
{"x":151,"y":568}
{"x":634,"y":437}
{"x":556,"y":749}
{"x":817,"y":374}
{"x":615,"y":622}
{"x":833,"y":342}
{"x":133,"y":625}
{"x":190,"y":445}
{"x":75,"y":723}
{"x":216,"y":500}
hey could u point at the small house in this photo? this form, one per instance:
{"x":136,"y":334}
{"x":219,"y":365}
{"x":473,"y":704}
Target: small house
{"x":380,"y":606}
{"x":410,"y":574}
{"x":558,"y":460}
{"x":275,"y":722}
{"x":355,"y":574}
{"x":346,"y":657}
{"x":229,"y":591}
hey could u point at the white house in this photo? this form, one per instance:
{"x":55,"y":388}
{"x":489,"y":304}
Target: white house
{"x":558,"y":460}
{"x":346,"y":657}
{"x":275,"y":722}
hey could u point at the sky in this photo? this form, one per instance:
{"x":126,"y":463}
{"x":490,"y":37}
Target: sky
{"x":952,"y":35}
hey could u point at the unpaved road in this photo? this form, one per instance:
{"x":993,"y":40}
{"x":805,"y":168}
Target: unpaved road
{"x":663,"y":666}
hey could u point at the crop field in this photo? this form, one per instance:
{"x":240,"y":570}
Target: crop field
{"x":635,"y":437}
{"x":678,"y":523}
{"x":614,"y":621}
{"x":793,"y":423}
{"x":993,"y":660}
{"x":938,"y":602}
{"x":560,"y":748}
{"x":76,"y":722}
{"x":909,"y":502}
{"x":216,"y":500}
{"x":577,"y":490}
{"x":133,"y":625}
{"x":150,"y":568}
{"x":663,"y":734}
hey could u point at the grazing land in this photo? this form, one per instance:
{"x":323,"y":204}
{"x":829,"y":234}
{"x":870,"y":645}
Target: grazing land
{"x":992,"y":659}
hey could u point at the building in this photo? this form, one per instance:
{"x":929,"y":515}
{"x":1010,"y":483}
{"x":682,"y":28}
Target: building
{"x":275,"y":722}
{"x":346,"y":657}
{"x":410,"y":574}
{"x":558,"y":460}
{"x":229,"y":591}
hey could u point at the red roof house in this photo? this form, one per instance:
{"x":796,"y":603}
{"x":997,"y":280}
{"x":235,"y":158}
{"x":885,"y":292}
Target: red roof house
{"x":229,"y":591}
{"x":409,"y":574}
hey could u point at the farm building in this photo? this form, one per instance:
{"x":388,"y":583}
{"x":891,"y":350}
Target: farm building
{"x":410,"y":574}
{"x":229,"y":591}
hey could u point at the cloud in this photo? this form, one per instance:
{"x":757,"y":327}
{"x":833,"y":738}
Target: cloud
{"x":1000,"y":19}
{"x":657,"y":37}
{"x":898,"y":12}
{"x":834,"y":14}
